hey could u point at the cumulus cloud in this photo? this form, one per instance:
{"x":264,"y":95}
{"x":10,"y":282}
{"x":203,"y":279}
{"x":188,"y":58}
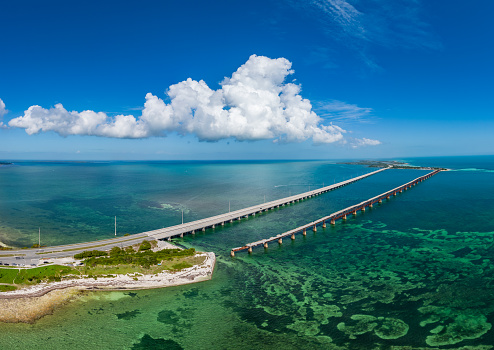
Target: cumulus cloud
{"x":2,"y":108}
{"x":3,"y":111}
{"x":255,"y":103}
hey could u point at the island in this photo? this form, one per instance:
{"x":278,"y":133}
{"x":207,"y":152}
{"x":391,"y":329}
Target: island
{"x":28,"y":293}
{"x":394,"y":164}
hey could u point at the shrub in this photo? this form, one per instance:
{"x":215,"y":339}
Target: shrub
{"x":89,"y":254}
{"x":145,"y":245}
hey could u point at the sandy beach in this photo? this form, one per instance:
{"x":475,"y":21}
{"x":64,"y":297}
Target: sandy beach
{"x":29,"y":304}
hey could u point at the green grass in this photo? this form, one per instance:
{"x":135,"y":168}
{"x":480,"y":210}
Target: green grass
{"x":5,"y":288}
{"x":8,"y":275}
{"x":32,"y":276}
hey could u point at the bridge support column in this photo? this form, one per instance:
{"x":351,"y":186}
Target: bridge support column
{"x":380,"y":201}
{"x":363,"y":208}
{"x":293,"y":236}
{"x":355,"y":212}
{"x":324,"y":224}
{"x":231,"y":220}
{"x":304,"y":232}
{"x":203,"y":229}
{"x":193,"y":232}
{"x":333,"y":222}
{"x":370,"y":205}
{"x":344,"y":217}
{"x":232,"y":253}
{"x":169,"y":239}
{"x":249,"y":250}
{"x":280,"y":240}
{"x":265,"y":245}
{"x":314,"y":228}
{"x":182,"y":235}
{"x":394,"y":194}
{"x":223,"y":223}
{"x":212,"y":226}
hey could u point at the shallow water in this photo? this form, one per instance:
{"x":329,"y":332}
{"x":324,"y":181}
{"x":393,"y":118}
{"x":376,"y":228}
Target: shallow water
{"x":414,"y":271}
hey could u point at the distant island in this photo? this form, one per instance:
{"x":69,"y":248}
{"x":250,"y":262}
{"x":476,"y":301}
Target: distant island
{"x":26,"y":294}
{"x":391,"y":164}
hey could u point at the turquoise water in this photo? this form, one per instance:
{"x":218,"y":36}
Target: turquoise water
{"x":415,"y":271}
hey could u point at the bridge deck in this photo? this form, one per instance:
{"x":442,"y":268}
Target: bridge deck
{"x":336,"y":215}
{"x":192,"y":227}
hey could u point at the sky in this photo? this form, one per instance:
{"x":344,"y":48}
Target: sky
{"x":315,"y":79}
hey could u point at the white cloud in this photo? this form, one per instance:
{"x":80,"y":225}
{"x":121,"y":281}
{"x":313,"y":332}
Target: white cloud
{"x":342,"y":111}
{"x":355,"y":143}
{"x":3,"y":111}
{"x":2,"y":108}
{"x":255,"y":103}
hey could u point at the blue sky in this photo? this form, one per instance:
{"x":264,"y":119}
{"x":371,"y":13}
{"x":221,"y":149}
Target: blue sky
{"x":320,"y":79}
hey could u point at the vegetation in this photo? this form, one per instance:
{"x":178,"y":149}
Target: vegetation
{"x":145,"y":245}
{"x":144,"y":258}
{"x":89,"y":254}
{"x":104,"y":264}
{"x":5,"y":248}
{"x":36,"y":275}
{"x":7,"y":288}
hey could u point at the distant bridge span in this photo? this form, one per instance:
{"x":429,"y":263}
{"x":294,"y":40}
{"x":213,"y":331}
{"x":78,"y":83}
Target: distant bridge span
{"x":211,"y":222}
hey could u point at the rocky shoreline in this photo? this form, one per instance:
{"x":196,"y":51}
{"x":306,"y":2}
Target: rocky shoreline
{"x":32,"y":303}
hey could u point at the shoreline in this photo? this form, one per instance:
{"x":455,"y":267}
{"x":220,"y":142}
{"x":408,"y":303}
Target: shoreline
{"x":31,"y":303}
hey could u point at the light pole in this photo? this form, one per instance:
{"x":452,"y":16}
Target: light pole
{"x":115,"y":226}
{"x":39,"y":237}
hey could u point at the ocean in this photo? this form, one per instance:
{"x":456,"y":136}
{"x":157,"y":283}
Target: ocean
{"x":414,"y":272}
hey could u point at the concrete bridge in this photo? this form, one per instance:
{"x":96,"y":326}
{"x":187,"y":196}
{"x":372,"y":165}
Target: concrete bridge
{"x":342,"y":214}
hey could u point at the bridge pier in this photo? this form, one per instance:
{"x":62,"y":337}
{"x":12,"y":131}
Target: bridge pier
{"x":280,"y":240}
{"x":363,"y":208}
{"x":231,"y":220}
{"x":380,"y":201}
{"x":344,"y":217}
{"x":193,"y":232}
{"x":370,"y":205}
{"x":182,"y":235}
{"x":232,"y":253}
{"x":333,"y":222}
{"x":394,"y":193}
{"x":293,"y":236}
{"x":304,"y":232}
{"x":203,"y":229}
{"x":355,"y":212}
{"x":324,"y":224}
{"x":169,"y":239}
{"x":314,"y":228}
{"x":223,"y":223}
{"x":265,"y":245}
{"x":249,"y":250}
{"x":212,"y":226}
